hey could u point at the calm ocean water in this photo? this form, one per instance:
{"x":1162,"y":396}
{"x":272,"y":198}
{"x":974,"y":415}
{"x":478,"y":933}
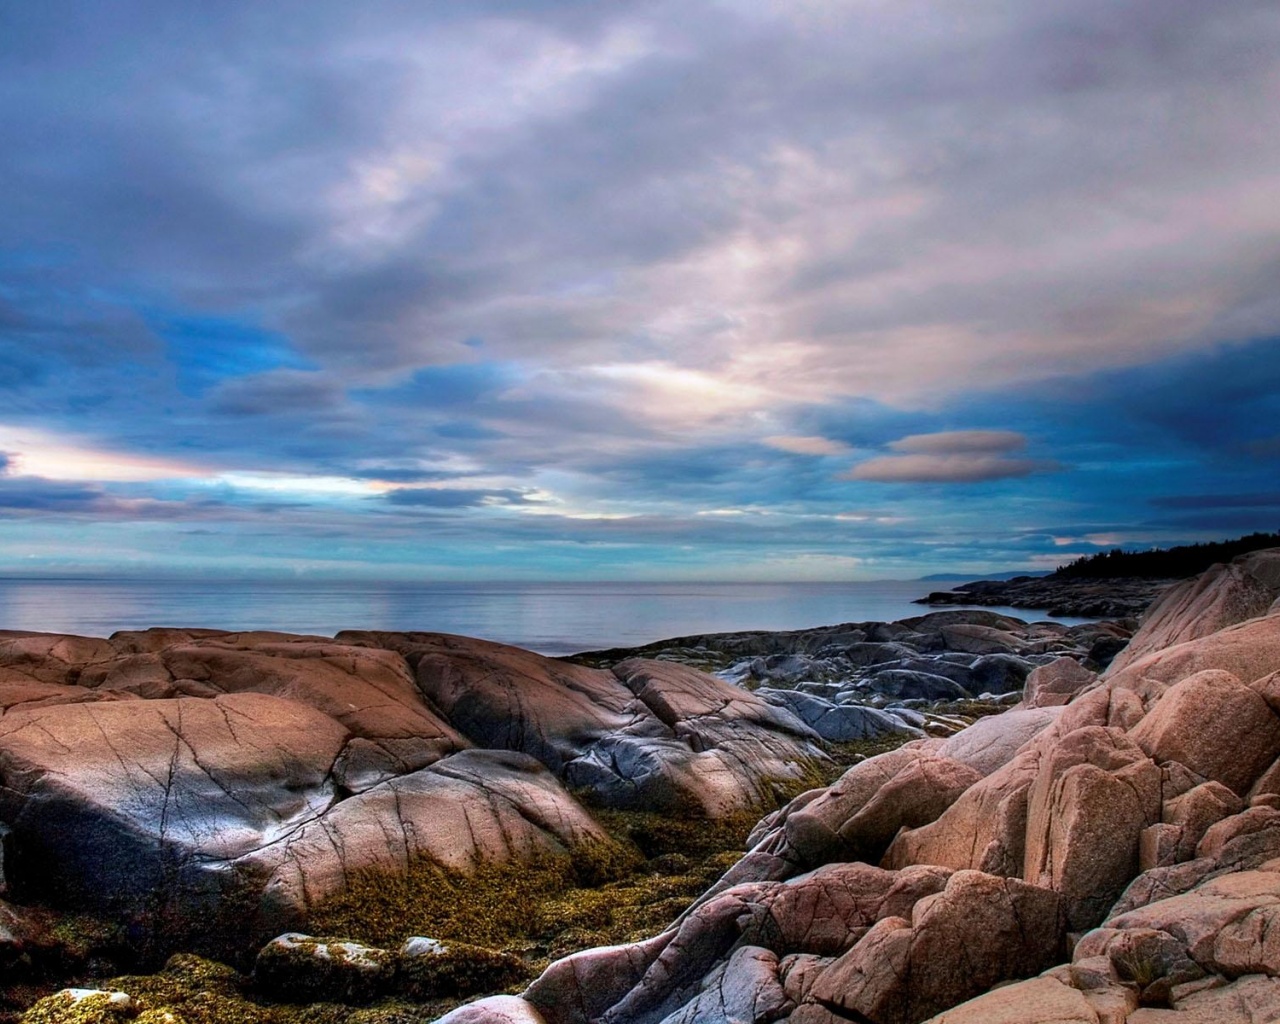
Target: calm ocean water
{"x":554,"y":618}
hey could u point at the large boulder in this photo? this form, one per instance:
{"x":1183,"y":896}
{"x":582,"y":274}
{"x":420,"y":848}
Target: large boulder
{"x":475,"y":807}
{"x":990,"y":743}
{"x":1222,"y":596}
{"x":1216,"y":726}
{"x":1038,"y":1001}
{"x":857,"y":817}
{"x":980,"y":930}
{"x":646,"y":735}
{"x":137,"y":809}
{"x":1094,"y":794}
{"x":985,"y":829}
{"x":1249,"y":650}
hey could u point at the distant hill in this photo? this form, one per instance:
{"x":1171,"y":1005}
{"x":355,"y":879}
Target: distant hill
{"x":1162,"y":563}
{"x":963,"y":576}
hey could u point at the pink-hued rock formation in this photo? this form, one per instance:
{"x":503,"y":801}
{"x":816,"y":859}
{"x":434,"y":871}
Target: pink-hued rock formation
{"x":1114,"y":842}
{"x":211,"y":788}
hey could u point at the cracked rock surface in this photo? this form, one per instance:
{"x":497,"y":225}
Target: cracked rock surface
{"x":208,"y":789}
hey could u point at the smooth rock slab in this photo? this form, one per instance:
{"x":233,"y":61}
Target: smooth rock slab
{"x":476,"y":806}
{"x":123,"y":807}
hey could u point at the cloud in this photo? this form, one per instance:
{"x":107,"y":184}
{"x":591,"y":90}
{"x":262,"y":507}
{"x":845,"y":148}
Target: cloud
{"x":276,"y":393}
{"x":961,"y":442}
{"x":805,"y":445}
{"x":651,"y":259}
{"x":951,"y":456}
{"x":453,"y":498}
{"x":945,"y":469}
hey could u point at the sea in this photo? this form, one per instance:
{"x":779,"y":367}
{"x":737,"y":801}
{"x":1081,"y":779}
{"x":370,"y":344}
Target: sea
{"x":551,"y":618}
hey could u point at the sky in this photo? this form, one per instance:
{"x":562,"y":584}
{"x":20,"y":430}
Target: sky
{"x":729,"y":290}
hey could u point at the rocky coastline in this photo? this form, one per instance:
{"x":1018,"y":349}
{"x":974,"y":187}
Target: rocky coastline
{"x":1059,"y":596}
{"x":960,"y":817}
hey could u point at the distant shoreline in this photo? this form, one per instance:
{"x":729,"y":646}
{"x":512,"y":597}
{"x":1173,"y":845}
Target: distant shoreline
{"x":1118,"y":598}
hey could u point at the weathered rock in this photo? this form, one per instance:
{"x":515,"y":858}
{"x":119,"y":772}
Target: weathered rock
{"x":430,"y":969}
{"x":813,"y":829}
{"x":839,"y":723}
{"x":160,"y":797}
{"x":998,"y":673}
{"x":985,"y":829}
{"x":1038,"y":1001}
{"x":473,"y":807}
{"x":647,"y":734}
{"x":1193,"y":812}
{"x":495,"y":1010}
{"x":859,"y":816}
{"x":305,"y":969}
{"x":980,"y":930}
{"x":743,"y":990}
{"x":82,"y":1006}
{"x":581,"y":987}
{"x":1056,"y":683}
{"x":1216,"y":726}
{"x":992,"y":742}
{"x":908,"y":684}
{"x":1222,"y":596}
{"x":1226,"y":925}
{"x":1094,"y":794}
{"x":1249,"y":651}
{"x":826,"y":911}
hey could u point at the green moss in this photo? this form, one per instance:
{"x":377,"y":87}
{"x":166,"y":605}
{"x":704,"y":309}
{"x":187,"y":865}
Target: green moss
{"x":460,"y":969}
{"x":63,"y":1008}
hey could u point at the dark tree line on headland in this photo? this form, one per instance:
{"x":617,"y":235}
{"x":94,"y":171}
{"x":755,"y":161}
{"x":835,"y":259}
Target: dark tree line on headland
{"x":1161,"y":563}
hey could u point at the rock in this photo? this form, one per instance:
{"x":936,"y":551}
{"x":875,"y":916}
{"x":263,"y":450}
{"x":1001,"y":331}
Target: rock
{"x":581,"y":987}
{"x":473,"y":807}
{"x":1195,"y":811}
{"x":370,"y":692}
{"x":1056,"y":683}
{"x":82,"y":1006}
{"x":743,"y":990}
{"x":859,"y":816}
{"x":973,"y":638}
{"x":798,"y":972}
{"x":495,"y":1010}
{"x":1038,"y":1001}
{"x":905,"y":684}
{"x":305,"y":969}
{"x":813,"y":830}
{"x":648,"y":734}
{"x":1216,"y":726}
{"x":826,"y":911}
{"x":985,"y":829}
{"x":50,"y":657}
{"x":161,"y":797}
{"x":429,"y":969}
{"x":998,"y":673}
{"x":1063,"y":595}
{"x":1094,"y":794}
{"x":1221,"y":924}
{"x":980,"y":930}
{"x":1222,"y":596}
{"x":1249,"y":651}
{"x":839,"y":723}
{"x":992,"y":742}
